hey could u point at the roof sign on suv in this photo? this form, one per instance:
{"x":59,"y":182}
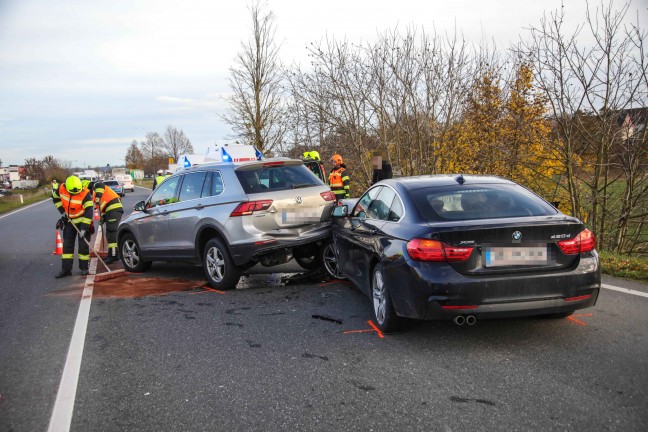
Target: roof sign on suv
{"x":226,"y":153}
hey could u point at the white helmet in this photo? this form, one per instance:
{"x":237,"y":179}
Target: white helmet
{"x":160,"y":171}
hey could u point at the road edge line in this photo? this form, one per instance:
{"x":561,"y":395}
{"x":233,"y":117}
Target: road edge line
{"x":624,"y":290}
{"x":63,"y":410}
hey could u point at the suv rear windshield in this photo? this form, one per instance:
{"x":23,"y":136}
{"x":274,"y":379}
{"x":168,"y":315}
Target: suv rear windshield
{"x":479,"y":202}
{"x":276,"y":178}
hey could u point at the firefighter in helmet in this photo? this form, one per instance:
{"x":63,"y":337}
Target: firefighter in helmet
{"x":111,"y":211}
{"x":339,"y":178}
{"x":74,"y":202}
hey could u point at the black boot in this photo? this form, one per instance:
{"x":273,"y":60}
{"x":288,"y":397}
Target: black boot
{"x":63,"y":273}
{"x":111,"y":259}
{"x":84,"y":272}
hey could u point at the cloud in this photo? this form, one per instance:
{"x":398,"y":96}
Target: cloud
{"x":106,"y":141}
{"x":210,"y":103}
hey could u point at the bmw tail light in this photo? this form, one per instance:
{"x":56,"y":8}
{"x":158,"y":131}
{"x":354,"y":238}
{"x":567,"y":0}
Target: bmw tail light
{"x":247,"y":208}
{"x":433,"y":250}
{"x":583,"y":242}
{"x":328,"y":196}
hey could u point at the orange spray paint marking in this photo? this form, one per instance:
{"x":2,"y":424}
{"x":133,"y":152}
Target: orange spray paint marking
{"x":206,"y":289}
{"x":372,"y":329}
{"x":577,"y":321}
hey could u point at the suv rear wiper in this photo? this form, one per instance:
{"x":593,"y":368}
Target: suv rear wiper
{"x":301,"y":185}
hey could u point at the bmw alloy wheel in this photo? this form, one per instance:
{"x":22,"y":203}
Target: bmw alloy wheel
{"x":330,"y":261}
{"x":379,"y":300}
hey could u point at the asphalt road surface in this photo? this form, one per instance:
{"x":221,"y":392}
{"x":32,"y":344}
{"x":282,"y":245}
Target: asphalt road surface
{"x":287,"y":352}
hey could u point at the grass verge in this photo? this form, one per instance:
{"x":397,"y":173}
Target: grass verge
{"x":626,"y":266}
{"x":12,"y":202}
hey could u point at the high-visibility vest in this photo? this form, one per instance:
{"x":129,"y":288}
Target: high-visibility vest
{"x":77,"y":207}
{"x":339,"y":182}
{"x":106,"y":199}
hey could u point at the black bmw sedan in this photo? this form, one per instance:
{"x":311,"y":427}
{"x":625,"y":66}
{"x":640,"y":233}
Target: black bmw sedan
{"x":463,"y":248}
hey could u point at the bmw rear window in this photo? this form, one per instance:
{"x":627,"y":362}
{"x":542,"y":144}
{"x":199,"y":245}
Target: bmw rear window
{"x":479,"y":202}
{"x":276,"y":178}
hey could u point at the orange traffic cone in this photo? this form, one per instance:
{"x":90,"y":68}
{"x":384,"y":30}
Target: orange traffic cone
{"x":96,"y":215}
{"x":59,"y":244}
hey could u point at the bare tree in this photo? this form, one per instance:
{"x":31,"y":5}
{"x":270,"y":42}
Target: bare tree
{"x":175,"y":143}
{"x":154,"y":156}
{"x":588,"y":87}
{"x":134,"y":158}
{"x":256,"y":110}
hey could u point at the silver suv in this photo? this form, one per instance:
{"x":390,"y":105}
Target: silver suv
{"x":229,"y":217}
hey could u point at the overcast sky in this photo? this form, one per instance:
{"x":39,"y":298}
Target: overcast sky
{"x":81,"y":80}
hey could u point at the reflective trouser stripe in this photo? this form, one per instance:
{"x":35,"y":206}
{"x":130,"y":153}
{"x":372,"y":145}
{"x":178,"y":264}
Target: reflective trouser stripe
{"x":70,"y":237}
{"x":112,"y":223}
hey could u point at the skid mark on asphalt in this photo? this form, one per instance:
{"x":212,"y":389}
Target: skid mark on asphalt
{"x":327,"y":318}
{"x":577,"y":321}
{"x":468,"y":400}
{"x":372,"y":329}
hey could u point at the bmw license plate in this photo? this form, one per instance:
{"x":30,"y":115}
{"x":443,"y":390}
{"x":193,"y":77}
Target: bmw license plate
{"x":511,"y":256}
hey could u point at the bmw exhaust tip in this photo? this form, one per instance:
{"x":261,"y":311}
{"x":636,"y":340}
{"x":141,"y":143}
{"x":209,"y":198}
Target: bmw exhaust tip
{"x":471,"y":320}
{"x":459,"y":320}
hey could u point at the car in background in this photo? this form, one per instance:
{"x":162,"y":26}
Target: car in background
{"x":116,"y":186}
{"x":127,"y":182}
{"x":463,"y":248}
{"x":229,"y":216}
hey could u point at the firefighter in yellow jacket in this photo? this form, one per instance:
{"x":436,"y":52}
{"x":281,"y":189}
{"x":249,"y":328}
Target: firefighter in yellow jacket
{"x":339,"y":178}
{"x":111,"y":211}
{"x":74,"y":202}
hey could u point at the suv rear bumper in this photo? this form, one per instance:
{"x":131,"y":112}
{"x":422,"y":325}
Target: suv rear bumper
{"x":244,"y":253}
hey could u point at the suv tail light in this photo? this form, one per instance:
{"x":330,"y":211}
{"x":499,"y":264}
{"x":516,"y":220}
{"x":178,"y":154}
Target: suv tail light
{"x":247,"y":208}
{"x":433,"y":250}
{"x":328,"y":196}
{"x":583,"y":242}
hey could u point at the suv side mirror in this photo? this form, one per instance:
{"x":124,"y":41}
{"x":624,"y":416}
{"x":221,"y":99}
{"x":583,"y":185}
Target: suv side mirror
{"x":340,"y":211}
{"x":140,"y":206}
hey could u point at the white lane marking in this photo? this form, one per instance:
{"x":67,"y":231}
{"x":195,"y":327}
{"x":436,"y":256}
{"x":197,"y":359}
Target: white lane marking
{"x":25,"y":208}
{"x":624,"y":290}
{"x":64,"y":406}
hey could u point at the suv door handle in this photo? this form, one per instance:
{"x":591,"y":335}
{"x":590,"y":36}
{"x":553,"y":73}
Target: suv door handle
{"x":199,"y":207}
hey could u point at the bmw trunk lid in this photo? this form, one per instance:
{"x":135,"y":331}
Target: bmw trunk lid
{"x":520,"y":244}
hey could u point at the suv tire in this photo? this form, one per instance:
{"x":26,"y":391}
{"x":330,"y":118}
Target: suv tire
{"x":131,"y":255}
{"x":220,"y":270}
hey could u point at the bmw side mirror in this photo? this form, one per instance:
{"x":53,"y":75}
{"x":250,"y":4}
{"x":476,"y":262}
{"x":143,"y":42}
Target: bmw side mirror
{"x":340,"y":211}
{"x":140,"y":206}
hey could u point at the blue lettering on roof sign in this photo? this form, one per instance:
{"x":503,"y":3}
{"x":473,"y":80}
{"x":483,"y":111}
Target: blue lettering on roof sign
{"x":186,"y":163}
